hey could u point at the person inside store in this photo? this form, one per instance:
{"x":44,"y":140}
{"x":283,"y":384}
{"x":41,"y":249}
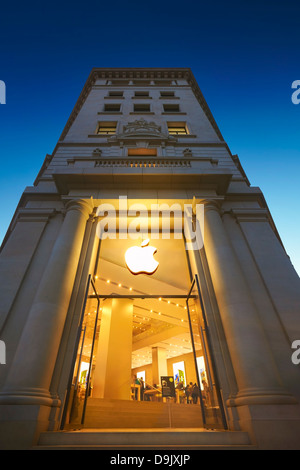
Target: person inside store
{"x":180,"y":391}
{"x":188,"y":392}
{"x":195,"y":394}
{"x":137,"y":386}
{"x":142,"y":387}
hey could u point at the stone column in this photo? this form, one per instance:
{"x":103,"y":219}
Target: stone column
{"x":31,"y":372}
{"x":256,"y":372}
{"x":112,"y":376}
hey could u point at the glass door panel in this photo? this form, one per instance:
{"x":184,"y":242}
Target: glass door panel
{"x":79,"y":388}
{"x":209,"y":390}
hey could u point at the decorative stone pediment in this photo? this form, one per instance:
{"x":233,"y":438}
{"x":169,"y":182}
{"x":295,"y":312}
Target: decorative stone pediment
{"x":142,"y":129}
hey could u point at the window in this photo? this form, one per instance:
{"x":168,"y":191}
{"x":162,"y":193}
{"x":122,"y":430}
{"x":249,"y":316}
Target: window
{"x":112,"y":108}
{"x":149,"y":152}
{"x":171,"y":108}
{"x":177,"y":128}
{"x":167,"y":94}
{"x":107,"y":128}
{"x":141,"y":94}
{"x":113,"y":94}
{"x":141,"y":108}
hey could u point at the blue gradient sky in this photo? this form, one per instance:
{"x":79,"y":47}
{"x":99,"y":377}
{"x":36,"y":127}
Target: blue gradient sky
{"x":244,"y":58}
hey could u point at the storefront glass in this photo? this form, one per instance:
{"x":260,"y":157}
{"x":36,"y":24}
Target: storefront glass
{"x":142,"y":356}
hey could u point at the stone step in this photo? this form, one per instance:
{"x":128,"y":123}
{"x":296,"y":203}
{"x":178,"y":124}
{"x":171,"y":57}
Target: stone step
{"x":139,"y":439}
{"x":102,"y":413}
{"x":141,"y":414}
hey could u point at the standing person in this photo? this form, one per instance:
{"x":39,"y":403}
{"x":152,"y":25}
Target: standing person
{"x":142,"y":387}
{"x":136,"y":383}
{"x":181,"y":394}
{"x":195,"y":393}
{"x":188,"y":392}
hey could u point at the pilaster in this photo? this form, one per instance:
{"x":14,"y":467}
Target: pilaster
{"x":256,"y":373}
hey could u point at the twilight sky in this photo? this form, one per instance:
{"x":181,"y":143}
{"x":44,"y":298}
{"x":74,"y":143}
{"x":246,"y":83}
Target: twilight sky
{"x":245,"y":58}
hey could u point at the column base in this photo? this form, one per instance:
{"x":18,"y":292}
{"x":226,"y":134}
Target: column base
{"x":255,"y":396}
{"x":21,"y":425}
{"x":36,"y":396}
{"x":272,"y":427}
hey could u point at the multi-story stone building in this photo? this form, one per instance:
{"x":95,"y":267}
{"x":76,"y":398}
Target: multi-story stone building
{"x":141,"y":157}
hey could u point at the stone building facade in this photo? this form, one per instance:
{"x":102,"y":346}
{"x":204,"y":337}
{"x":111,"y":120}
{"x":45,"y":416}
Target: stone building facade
{"x":78,"y":324}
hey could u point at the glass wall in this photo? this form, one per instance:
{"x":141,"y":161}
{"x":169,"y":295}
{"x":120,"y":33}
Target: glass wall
{"x":142,"y":356}
{"x":79,"y":388}
{"x":210,"y":393}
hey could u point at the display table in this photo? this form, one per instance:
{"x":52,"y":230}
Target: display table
{"x":153,"y":394}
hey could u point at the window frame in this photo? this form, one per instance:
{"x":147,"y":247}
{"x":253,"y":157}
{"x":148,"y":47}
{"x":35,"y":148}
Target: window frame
{"x":112,"y":110}
{"x":173,"y":108}
{"x":141,"y":110}
{"x":109,"y":125}
{"x":115,"y":94}
{"x":178,"y":125}
{"x":141,"y":95}
{"x":167,"y":94}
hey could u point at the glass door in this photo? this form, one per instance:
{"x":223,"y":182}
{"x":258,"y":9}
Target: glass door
{"x":169,"y":334}
{"x":79,"y":386}
{"x":209,"y":394}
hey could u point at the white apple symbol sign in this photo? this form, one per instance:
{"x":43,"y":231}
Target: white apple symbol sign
{"x":139,"y":259}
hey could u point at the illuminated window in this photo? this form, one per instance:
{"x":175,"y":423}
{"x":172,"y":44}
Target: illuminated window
{"x":142,"y":152}
{"x":177,"y":128}
{"x":107,"y":128}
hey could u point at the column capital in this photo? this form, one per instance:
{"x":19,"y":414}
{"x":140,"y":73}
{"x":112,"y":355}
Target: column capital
{"x":250,"y":214}
{"x":85,"y":206}
{"x":209,"y":204}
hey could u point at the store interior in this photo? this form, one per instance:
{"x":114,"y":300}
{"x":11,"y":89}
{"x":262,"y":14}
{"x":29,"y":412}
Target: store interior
{"x":140,"y":328}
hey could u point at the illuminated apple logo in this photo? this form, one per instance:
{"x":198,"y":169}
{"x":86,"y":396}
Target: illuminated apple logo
{"x":139,"y":259}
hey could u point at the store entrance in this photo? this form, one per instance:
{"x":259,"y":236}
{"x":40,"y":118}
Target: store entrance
{"x":142,"y":359}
